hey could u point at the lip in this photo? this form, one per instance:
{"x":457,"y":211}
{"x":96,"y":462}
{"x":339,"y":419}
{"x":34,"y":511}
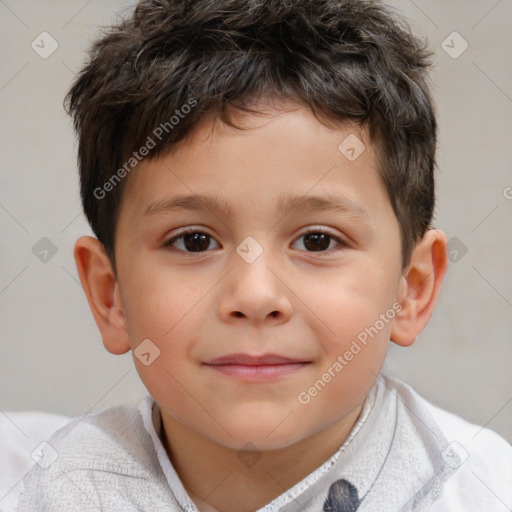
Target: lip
{"x":253,"y":360}
{"x":256,"y":368}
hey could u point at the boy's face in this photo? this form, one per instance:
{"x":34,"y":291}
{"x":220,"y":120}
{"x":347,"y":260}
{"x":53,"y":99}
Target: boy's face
{"x":307,"y":298}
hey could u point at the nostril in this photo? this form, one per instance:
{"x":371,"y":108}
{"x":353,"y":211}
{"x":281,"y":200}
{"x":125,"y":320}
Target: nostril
{"x":239,"y":314}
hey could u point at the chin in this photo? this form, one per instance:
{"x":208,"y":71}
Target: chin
{"x":262,"y":436}
{"x":260,"y":443}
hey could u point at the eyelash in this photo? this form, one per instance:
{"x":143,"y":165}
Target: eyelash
{"x":341,"y":244}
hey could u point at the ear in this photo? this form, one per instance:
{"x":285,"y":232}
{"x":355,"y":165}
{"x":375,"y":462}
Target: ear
{"x":420,"y":286}
{"x":102,"y":290}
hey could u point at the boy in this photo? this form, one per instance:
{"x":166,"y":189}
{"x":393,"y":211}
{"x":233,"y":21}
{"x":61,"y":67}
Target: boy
{"x":294,"y":143}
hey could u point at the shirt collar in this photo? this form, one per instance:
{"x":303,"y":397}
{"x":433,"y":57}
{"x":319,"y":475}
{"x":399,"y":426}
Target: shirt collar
{"x":393,"y":459}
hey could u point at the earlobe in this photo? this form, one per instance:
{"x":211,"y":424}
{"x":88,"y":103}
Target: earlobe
{"x":102,"y":291}
{"x":420,"y":286}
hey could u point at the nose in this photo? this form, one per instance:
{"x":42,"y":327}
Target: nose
{"x":254,"y":293}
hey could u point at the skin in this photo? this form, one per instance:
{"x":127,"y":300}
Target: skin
{"x":292,"y":300}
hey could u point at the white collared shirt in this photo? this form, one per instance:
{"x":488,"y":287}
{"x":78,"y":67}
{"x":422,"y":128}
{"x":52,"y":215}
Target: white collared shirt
{"x":403,"y":454}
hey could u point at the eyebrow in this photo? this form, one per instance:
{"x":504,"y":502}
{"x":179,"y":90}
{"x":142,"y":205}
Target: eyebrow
{"x":194,"y":202}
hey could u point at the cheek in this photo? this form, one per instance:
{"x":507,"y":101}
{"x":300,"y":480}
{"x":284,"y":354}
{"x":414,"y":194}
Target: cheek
{"x":161,"y":303}
{"x":166,"y":308}
{"x":354,"y":304}
{"x":165,"y":312}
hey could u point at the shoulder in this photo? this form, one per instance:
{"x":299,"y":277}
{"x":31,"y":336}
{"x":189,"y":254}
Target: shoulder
{"x":105,"y":440}
{"x":472,"y":441}
{"x":483,"y":476}
{"x":93,"y":459}
{"x":20,"y":433}
{"x":480,"y":440}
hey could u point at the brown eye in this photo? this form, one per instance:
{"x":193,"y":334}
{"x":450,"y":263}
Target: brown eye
{"x":194,"y":241}
{"x":319,"y":241}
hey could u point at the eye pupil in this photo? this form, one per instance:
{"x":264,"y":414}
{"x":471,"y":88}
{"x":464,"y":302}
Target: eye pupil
{"x":316,"y":241}
{"x":196,"y":242}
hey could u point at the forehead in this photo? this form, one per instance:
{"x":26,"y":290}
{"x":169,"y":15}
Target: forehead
{"x":278,"y":156}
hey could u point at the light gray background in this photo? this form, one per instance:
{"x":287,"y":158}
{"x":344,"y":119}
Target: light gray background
{"x":52,"y":357}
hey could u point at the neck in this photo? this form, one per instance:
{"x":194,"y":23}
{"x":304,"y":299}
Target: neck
{"x":217,"y":477}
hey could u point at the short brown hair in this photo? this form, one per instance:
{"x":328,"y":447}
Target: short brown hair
{"x":344,"y":59}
